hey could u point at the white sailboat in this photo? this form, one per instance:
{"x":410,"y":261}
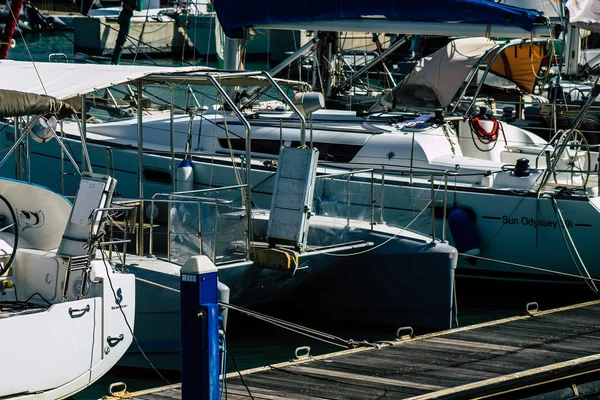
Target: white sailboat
{"x":528,"y":212}
{"x":530,"y":206}
{"x":66,"y":314}
{"x":337,"y":257}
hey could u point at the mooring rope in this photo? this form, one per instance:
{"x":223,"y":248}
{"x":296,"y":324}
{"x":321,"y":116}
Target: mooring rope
{"x":302,"y":330}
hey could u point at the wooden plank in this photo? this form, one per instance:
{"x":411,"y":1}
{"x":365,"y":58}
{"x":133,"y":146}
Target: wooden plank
{"x":299,"y":384}
{"x":552,"y":328}
{"x":522,"y":379}
{"x":475,"y":347}
{"x":367,"y":379}
{"x":512,"y":336}
{"x":583,"y":318}
{"x":401,"y":362}
{"x":419,"y":375}
{"x":550,"y":342}
{"x":481,"y":366}
{"x":330,"y":388}
{"x":263,"y":393}
{"x":471,"y":344}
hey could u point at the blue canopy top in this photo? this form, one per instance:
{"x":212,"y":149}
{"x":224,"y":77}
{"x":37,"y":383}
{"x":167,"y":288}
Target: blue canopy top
{"x":234,"y":15}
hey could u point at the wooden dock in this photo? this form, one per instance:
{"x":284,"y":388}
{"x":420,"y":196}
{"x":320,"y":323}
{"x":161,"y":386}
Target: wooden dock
{"x":512,"y":357}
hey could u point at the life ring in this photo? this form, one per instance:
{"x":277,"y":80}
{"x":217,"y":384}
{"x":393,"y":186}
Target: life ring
{"x":485,"y":128}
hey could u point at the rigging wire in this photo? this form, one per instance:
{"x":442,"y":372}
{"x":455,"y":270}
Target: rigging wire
{"x":240,"y":375}
{"x":29,"y":53}
{"x":578,"y":262}
{"x":236,"y":173}
{"x":137,"y":51}
{"x":102,"y":250}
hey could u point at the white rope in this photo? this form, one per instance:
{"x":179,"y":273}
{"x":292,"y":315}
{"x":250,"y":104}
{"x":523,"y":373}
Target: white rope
{"x":137,"y":278}
{"x":312,"y":333}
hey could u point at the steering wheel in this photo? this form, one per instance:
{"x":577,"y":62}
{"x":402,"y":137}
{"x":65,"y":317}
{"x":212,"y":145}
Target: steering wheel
{"x":15,"y":225}
{"x":582,"y":147}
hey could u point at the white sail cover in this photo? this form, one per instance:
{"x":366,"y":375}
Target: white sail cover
{"x":436,"y":78}
{"x":66,"y":81}
{"x":585,"y":14}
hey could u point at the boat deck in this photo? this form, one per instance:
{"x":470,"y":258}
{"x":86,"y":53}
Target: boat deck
{"x":489,"y":359}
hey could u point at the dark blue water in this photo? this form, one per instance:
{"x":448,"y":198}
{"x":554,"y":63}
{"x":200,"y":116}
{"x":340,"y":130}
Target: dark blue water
{"x":253,"y":343}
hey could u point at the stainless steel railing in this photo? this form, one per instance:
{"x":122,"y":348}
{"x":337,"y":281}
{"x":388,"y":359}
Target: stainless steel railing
{"x":190,"y":197}
{"x":132,"y":223}
{"x":377,"y":176}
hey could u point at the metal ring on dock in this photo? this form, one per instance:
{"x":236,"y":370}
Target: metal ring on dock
{"x":532,"y":308}
{"x":405,"y":332}
{"x":117,"y":385}
{"x":299,"y":356}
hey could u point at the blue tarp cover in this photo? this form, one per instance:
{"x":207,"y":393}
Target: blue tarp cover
{"x":234,"y":15}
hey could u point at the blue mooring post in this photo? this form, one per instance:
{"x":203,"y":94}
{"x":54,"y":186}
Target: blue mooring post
{"x":200,"y":361}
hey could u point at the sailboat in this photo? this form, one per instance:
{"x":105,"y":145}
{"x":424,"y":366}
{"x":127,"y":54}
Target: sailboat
{"x":325,"y":265}
{"x":523,"y":206}
{"x":516,"y":203}
{"x":66,"y":314}
{"x":517,"y":196}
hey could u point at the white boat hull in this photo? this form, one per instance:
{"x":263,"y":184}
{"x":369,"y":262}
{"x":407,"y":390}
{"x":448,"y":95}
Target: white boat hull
{"x":58,"y":336}
{"x":512,"y":226}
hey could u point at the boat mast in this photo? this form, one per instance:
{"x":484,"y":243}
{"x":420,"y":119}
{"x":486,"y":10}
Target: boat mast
{"x":9,"y":28}
{"x":326,"y":48}
{"x":124,"y":19}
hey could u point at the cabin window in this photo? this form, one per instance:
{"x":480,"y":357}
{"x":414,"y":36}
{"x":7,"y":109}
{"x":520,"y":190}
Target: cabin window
{"x":157,"y":175}
{"x":327,"y":151}
{"x":334,"y":152}
{"x":258,"y":145}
